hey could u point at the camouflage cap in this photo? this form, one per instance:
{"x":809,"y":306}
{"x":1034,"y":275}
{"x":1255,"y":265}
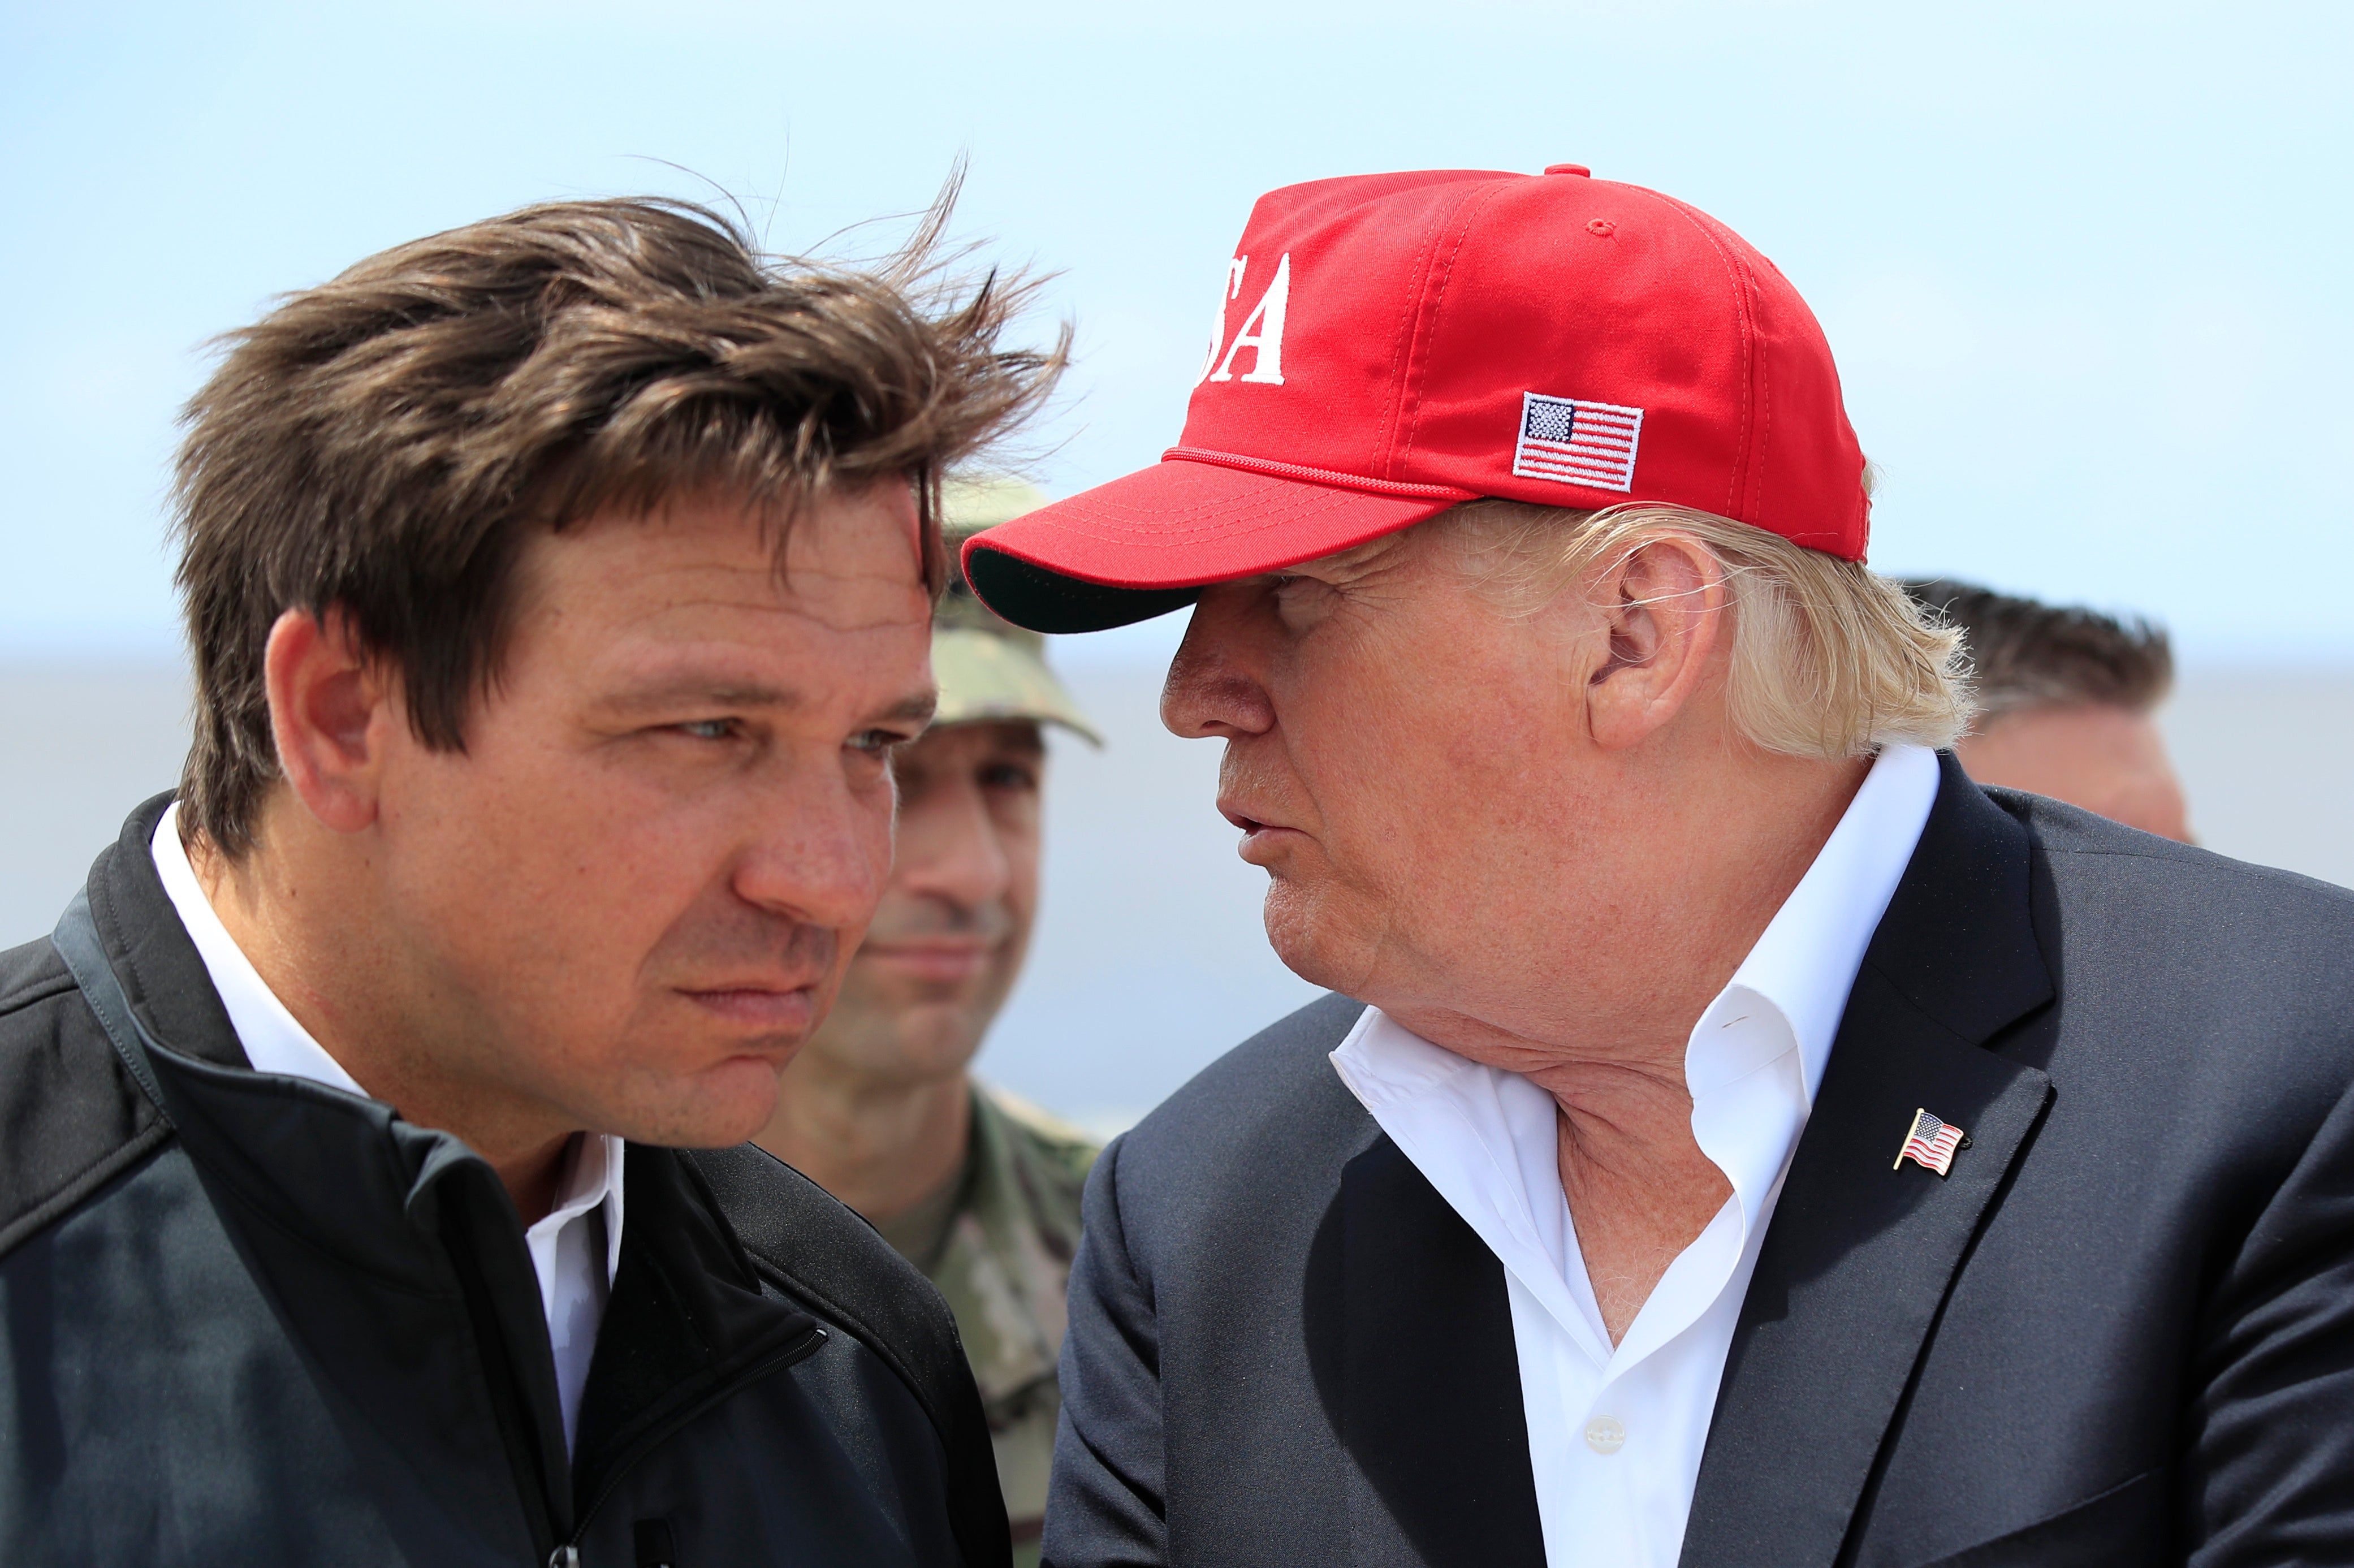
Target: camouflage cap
{"x":987,"y":668}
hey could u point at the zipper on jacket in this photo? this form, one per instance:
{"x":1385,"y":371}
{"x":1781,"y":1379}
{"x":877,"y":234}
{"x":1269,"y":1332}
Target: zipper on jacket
{"x":567,"y":1553}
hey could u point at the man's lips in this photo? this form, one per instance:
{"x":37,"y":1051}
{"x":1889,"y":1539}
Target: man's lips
{"x":766,"y":1007}
{"x":1259,"y":835}
{"x":947,"y":959}
{"x":1241,"y":819}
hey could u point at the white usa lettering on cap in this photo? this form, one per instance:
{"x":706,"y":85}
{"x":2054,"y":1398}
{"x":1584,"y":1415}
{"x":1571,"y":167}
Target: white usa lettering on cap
{"x":1262,"y":330}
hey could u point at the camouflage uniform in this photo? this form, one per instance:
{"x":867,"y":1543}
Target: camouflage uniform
{"x":1000,"y":1251}
{"x":997,"y":1241}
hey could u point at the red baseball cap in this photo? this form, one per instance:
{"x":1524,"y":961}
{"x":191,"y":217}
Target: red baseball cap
{"x":1389,"y":346}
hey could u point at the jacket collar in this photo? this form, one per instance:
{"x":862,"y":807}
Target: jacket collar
{"x":161,"y":972}
{"x":687,"y":1321}
{"x":273,"y":1039}
{"x":383,"y":1202}
{"x":1858,"y":1262}
{"x":310,"y":1158}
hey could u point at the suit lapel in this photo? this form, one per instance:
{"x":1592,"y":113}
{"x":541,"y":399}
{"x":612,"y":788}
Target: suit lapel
{"x":1427,"y":1400}
{"x":1859,"y":1258}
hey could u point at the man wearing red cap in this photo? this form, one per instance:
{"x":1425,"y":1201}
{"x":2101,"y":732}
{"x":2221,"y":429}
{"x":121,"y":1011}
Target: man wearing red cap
{"x":1734,"y":1137}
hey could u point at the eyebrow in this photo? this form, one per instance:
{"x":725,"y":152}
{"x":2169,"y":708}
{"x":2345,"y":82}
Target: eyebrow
{"x":915,"y":709}
{"x":697,"y":691}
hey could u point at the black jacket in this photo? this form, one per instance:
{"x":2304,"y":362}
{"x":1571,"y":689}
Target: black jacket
{"x":2121,"y":1332}
{"x":252,"y":1320}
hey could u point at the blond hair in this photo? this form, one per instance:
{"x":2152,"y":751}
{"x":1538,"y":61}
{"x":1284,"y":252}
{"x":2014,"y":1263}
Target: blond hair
{"x":1830,"y":659}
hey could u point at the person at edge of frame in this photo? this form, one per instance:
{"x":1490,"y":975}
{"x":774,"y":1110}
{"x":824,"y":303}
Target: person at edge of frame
{"x":2066,"y":703}
{"x":374,"y":1190}
{"x":973,"y":1185}
{"x":1734,"y":1137}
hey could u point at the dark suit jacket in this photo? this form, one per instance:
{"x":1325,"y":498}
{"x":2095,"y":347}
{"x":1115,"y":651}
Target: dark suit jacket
{"x":2122,"y":1331}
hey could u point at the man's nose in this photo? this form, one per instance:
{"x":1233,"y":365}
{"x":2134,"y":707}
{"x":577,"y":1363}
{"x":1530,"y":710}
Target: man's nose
{"x":949,"y":848}
{"x":1215,"y":686}
{"x":822,"y":853}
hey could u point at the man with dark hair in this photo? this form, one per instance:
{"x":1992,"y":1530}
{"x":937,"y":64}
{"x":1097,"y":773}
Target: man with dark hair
{"x":975,"y":1187}
{"x":2065,"y":698}
{"x":559,"y":588}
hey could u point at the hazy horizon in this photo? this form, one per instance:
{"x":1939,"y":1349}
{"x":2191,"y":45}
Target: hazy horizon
{"x":1148,"y":959}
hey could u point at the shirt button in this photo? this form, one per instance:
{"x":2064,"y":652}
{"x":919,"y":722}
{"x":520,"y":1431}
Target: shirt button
{"x":1604,"y":1435}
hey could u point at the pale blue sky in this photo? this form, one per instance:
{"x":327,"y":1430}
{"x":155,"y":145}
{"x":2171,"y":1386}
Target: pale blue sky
{"x":2084,"y":267}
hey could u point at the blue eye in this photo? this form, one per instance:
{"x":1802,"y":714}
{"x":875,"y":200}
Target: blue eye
{"x":709,"y":729}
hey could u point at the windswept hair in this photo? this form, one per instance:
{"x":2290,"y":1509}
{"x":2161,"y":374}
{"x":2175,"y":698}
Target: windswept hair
{"x":383,"y":445}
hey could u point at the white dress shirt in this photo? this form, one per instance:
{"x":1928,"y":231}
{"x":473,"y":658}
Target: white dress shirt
{"x":1615,"y":1432}
{"x":566,"y":1247}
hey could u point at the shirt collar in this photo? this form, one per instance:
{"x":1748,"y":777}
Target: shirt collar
{"x":1806,"y":962}
{"x":1756,"y":1057}
{"x":591,"y":1176}
{"x":1752,"y":1061}
{"x":273,"y":1040}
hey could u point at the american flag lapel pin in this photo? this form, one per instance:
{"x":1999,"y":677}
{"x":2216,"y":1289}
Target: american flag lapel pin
{"x":1931,"y":1143}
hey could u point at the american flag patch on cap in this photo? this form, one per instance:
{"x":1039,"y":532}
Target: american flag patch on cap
{"x":1931,"y":1143}
{"x":1591,"y":444}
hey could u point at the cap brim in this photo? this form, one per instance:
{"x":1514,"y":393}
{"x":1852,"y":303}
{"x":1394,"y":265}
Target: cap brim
{"x":1150,"y":542}
{"x":985,"y":677}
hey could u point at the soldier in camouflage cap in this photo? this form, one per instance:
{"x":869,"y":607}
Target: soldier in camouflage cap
{"x":978,"y":1190}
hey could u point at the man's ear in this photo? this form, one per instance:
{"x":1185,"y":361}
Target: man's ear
{"x":1662,"y":610}
{"x":331,"y":709}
